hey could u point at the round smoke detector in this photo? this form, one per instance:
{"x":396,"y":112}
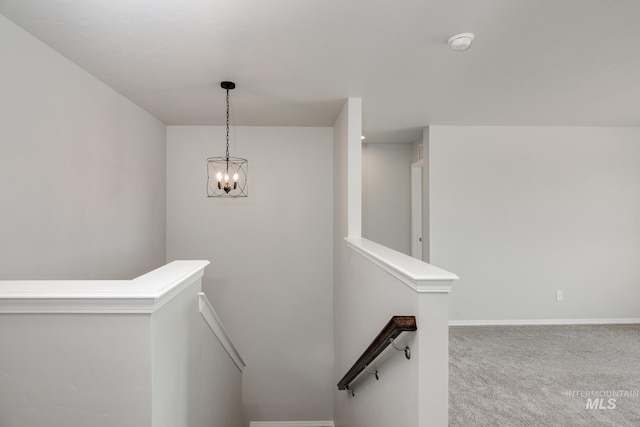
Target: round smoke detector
{"x":461,"y":41}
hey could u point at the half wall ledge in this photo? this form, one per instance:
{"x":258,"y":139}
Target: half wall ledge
{"x":416,"y":274}
{"x":144,"y":294}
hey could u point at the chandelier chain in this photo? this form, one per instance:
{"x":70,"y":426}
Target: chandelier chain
{"x":227,"y":125}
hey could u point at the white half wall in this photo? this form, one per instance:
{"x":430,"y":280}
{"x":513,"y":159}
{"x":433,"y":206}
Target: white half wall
{"x":386,"y":195}
{"x":270,"y":278}
{"x":82,"y":171}
{"x":75,"y":370}
{"x":195,"y":382}
{"x":372,"y":283}
{"x":521,"y":212}
{"x":130,"y":353}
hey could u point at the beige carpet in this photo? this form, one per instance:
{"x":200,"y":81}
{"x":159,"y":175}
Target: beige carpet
{"x":544,"y":376}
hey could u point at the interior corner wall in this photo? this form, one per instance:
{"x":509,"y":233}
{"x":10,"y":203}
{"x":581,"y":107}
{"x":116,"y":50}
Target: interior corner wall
{"x":82,"y":171}
{"x":340,"y":190}
{"x":426,"y":210}
{"x":386,"y":195}
{"x":270,"y":278}
{"x":353,"y":133}
{"x":341,"y":415}
{"x":194,"y":381}
{"x":365,"y":297}
{"x":520,"y":212}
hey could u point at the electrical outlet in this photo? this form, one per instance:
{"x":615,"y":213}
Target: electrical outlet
{"x":559,"y":295}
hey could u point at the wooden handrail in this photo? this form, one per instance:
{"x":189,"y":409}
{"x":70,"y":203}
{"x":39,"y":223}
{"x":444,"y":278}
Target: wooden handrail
{"x":395,"y":327}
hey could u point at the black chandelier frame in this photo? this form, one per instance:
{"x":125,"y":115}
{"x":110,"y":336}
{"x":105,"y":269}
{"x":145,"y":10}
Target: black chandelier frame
{"x":227,"y":176}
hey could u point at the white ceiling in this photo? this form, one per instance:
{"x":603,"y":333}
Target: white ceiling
{"x":533,"y":62}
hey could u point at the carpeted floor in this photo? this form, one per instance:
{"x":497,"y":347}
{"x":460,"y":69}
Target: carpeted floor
{"x":512,"y":376}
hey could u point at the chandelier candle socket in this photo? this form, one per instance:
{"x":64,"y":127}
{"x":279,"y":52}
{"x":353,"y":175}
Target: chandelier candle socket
{"x":227,"y":176}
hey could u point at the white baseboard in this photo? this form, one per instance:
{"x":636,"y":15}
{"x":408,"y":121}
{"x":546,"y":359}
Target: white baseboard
{"x":516,"y":322}
{"x":291,"y":424}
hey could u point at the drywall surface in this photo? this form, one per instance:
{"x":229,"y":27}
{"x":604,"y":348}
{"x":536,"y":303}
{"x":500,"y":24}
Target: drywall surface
{"x":75,"y":370}
{"x":365,"y":298}
{"x":108,"y":364}
{"x":195,"y":382}
{"x":520,"y":212}
{"x":270,"y":278}
{"x":386,"y":195}
{"x":426,"y":223}
{"x":82,"y":171}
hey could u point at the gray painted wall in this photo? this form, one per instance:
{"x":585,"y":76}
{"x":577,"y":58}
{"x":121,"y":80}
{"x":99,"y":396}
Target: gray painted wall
{"x":386,"y":195}
{"x":82,"y":171}
{"x":270,"y":277}
{"x":520,"y":212}
{"x":75,"y":370}
{"x":365,"y":298}
{"x":195,"y":382}
{"x":426,"y":222}
{"x":164,"y":369}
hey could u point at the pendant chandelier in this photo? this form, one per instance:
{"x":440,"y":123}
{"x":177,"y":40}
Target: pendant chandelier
{"x":227,"y":176}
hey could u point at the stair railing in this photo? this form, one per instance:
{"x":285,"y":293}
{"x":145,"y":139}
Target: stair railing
{"x":386,"y":337}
